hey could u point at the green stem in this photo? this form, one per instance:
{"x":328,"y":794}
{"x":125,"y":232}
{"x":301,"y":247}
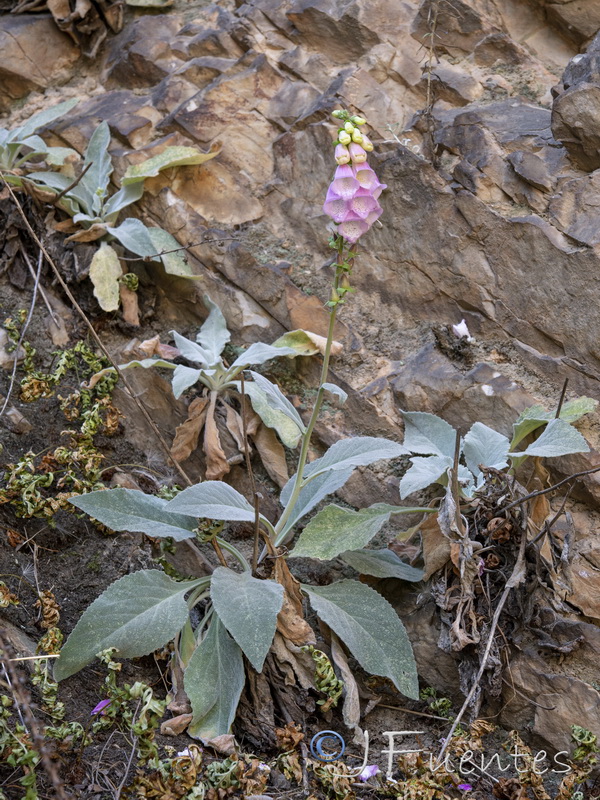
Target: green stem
{"x":235,"y":553}
{"x":299,"y":482}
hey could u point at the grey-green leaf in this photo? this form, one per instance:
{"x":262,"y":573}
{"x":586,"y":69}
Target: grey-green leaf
{"x":558,"y":439}
{"x":191,"y":350}
{"x":212,"y":500}
{"x":335,"y":529}
{"x":96,"y":179}
{"x":259,"y":352}
{"x":427,"y":434}
{"x":381,"y":564}
{"x":121,"y":199}
{"x":370,"y":628}
{"x":134,"y":235}
{"x":169,"y":249}
{"x":132,"y":510}
{"x":485,"y":446}
{"x":213,"y":681}
{"x":422,"y":473}
{"x":213,"y":335}
{"x":183,"y":378}
{"x":357,"y":451}
{"x":336,"y":391}
{"x":273,"y":416}
{"x":277,"y":399}
{"x":44,"y":118}
{"x":248,"y":607}
{"x":136,"y":615}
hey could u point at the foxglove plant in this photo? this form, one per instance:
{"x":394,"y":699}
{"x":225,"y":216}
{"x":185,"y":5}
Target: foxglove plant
{"x":242,"y":606}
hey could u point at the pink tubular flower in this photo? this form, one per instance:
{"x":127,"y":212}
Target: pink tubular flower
{"x":100,"y":708}
{"x":352,"y":198}
{"x":342,"y":154}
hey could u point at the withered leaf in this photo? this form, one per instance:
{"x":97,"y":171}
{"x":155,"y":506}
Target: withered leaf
{"x":216,"y":462}
{"x":436,"y":547}
{"x":235,"y":426}
{"x":272,"y":454}
{"x":290,"y":621}
{"x":176,"y":725}
{"x":351,"y":707}
{"x":188,"y":433}
{"x":130,"y":306}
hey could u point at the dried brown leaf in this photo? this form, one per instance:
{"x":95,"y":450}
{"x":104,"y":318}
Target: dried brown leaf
{"x":188,"y":433}
{"x":290,"y":621}
{"x":272,"y":454}
{"x":436,"y":547}
{"x":235,"y":426}
{"x":296,"y":664}
{"x":351,"y":707}
{"x":129,"y":303}
{"x":153,"y":347}
{"x":216,"y":462}
{"x":176,"y":725}
{"x":91,"y":234}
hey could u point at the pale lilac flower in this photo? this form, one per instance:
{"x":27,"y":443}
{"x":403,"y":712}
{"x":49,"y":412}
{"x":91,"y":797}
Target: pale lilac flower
{"x":363,"y":204}
{"x":465,"y":787}
{"x":368,"y":772}
{"x":357,"y":153}
{"x":367,"y":179}
{"x":342,"y":154}
{"x":100,"y":708}
{"x":344,"y":183}
{"x":353,"y":229}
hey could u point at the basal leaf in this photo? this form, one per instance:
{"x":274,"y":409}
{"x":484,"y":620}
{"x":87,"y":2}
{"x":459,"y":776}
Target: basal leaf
{"x":213,"y":681}
{"x":341,"y":395}
{"x":137,"y":614}
{"x":212,"y":500}
{"x":485,"y":446}
{"x":422,"y":473}
{"x":277,"y":399}
{"x":97,"y":177}
{"x":105,"y":271}
{"x":132,"y":510}
{"x":248,"y":607}
{"x":170,"y":157}
{"x":191,"y":350}
{"x":183,"y":378}
{"x":213,"y":335}
{"x":357,"y":451}
{"x":40,"y":120}
{"x":428,"y":434}
{"x":305,"y":343}
{"x":134,"y":235}
{"x":120,"y":200}
{"x":335,"y":529}
{"x":573,"y":410}
{"x":271,"y":414}
{"x":558,"y":439}
{"x":381,"y":564}
{"x":370,"y":628}
{"x":259,"y":352}
{"x":162,"y":241}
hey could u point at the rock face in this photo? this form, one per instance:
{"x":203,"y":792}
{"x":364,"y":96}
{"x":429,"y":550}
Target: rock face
{"x":491,"y":213}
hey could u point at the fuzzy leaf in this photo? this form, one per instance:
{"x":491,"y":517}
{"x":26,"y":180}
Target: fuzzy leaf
{"x":272,"y":413}
{"x":213,"y":335}
{"x":183,"y":378}
{"x":136,"y":615}
{"x":485,"y":446}
{"x":248,"y":607}
{"x":381,"y":564}
{"x":212,"y":500}
{"x":191,"y":350}
{"x":134,"y":235}
{"x":535,"y":416}
{"x":428,"y":434}
{"x":170,"y":157}
{"x":259,"y":352}
{"x":306,"y":343}
{"x":277,"y":399}
{"x":370,"y":628}
{"x":135,"y":511}
{"x":341,"y":395}
{"x":105,"y":271}
{"x":174,"y":262}
{"x":310,"y":496}
{"x":335,"y":529}
{"x":41,"y":119}
{"x":96,"y":179}
{"x":558,"y":439}
{"x":422,"y":473}
{"x":121,"y":199}
{"x":213,"y":681}
{"x":357,"y":451}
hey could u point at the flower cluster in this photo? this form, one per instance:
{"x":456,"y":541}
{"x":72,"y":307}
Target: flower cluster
{"x":352,"y":197}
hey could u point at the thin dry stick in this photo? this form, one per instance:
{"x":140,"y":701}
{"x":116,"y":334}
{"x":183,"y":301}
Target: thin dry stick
{"x":40,"y":288}
{"x":23,"y":330}
{"x":561,"y":399}
{"x":549,"y":489}
{"x":23,"y":703}
{"x":177,"y":249}
{"x":60,"y":195}
{"x":410,"y":711}
{"x":97,"y":339}
{"x":515,"y":579}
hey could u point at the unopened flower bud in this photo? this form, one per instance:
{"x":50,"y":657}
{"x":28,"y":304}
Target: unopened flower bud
{"x":342,"y":154}
{"x":366,"y":143}
{"x":338,"y":114}
{"x":349,"y":127}
{"x":357,"y":136}
{"x":357,"y":154}
{"x":345,"y":282}
{"x":358,"y":120}
{"x":334,"y":296}
{"x":344,"y":138}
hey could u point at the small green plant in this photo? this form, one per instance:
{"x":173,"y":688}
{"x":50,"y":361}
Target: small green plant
{"x":21,"y":146}
{"x":95,"y":211}
{"x":432,"y":440}
{"x":240,"y":611}
{"x":218,"y":409}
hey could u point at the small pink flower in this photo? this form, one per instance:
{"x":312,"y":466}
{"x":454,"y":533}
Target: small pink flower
{"x":464,"y":787}
{"x":357,"y":153}
{"x":353,"y":229}
{"x":344,"y":183}
{"x":363,"y":204}
{"x":342,"y":154}
{"x":368,"y":772}
{"x":367,"y":179}
{"x":335,"y":207}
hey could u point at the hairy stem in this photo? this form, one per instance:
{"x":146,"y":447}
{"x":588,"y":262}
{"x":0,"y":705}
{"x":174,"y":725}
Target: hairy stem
{"x":298,"y":482}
